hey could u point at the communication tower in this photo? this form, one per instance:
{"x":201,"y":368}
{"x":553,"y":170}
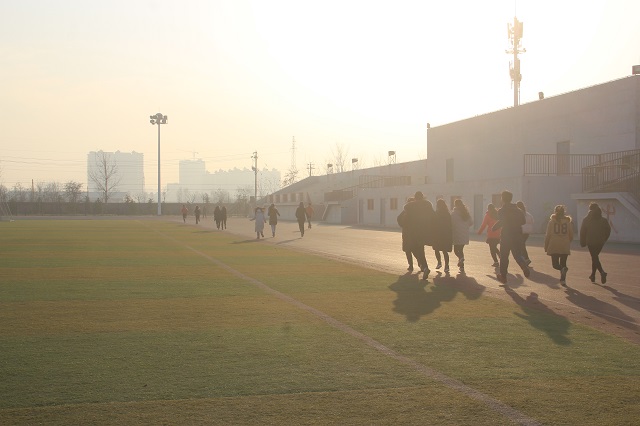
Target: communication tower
{"x":514,"y":32}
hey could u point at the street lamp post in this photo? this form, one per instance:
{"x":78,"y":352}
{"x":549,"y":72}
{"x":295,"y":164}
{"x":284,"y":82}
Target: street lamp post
{"x":158,"y":119}
{"x":254,"y":157}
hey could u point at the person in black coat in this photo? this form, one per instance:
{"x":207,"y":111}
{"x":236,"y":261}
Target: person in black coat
{"x":510,"y":220}
{"x":420,"y":215}
{"x":594,"y":232}
{"x":301,"y":217}
{"x":442,"y":234}
{"x":406,"y":248}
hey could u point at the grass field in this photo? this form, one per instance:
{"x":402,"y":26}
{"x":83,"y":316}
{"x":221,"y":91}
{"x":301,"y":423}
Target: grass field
{"x":151,"y":322}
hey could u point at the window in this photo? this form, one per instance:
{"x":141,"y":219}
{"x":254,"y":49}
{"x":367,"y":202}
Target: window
{"x":370,"y":204}
{"x":393,"y":204}
{"x":449,"y":170}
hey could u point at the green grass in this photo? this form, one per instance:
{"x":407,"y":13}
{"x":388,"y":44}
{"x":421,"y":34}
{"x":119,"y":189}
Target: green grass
{"x":116,"y":322}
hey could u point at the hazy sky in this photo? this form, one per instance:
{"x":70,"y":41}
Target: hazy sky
{"x":240,"y":76}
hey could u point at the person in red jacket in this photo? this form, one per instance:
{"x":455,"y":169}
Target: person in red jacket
{"x":493,"y":237}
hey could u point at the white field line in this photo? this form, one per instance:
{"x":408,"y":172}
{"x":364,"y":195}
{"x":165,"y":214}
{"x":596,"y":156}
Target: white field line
{"x":496,"y":405}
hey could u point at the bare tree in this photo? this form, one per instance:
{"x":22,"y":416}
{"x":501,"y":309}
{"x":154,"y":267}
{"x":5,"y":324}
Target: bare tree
{"x":105,"y":174}
{"x":19,"y":193}
{"x":205,"y":198}
{"x":140,"y":197}
{"x":220,"y":195}
{"x":269,"y":186}
{"x":290,"y":177}
{"x":191,"y":197}
{"x":339,"y":154}
{"x":73,"y":191}
{"x":52,"y":192}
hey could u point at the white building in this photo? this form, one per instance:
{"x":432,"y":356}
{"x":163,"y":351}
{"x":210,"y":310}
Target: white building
{"x":195,"y":181}
{"x":567,"y":149}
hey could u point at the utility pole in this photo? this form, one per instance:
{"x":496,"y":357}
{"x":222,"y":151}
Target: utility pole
{"x":255,"y":182}
{"x":515,"y":35}
{"x":310,"y":166}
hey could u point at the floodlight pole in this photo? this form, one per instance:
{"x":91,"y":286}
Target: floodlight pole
{"x":254,"y":157}
{"x":158,"y":119}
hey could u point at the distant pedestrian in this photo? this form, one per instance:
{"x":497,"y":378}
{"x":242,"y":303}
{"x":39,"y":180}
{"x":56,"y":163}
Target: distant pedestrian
{"x":273,"y":214}
{"x":196,"y":212}
{"x":420,"y":216}
{"x":217,"y":216}
{"x":442,"y":234}
{"x":223,"y":217}
{"x":594,"y":232}
{"x":527,"y":229}
{"x":309,"y":214}
{"x":260,"y":220}
{"x":557,"y":241}
{"x":301,"y":217}
{"x":493,"y":237}
{"x":406,"y":247}
{"x":510,"y":220}
{"x":185,"y":212}
{"x":460,"y":223}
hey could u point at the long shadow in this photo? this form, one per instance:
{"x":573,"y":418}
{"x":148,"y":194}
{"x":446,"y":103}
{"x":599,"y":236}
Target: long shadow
{"x":415,"y":300}
{"x":287,"y":241}
{"x":540,"y":316}
{"x":254,"y":240}
{"x":601,"y":309}
{"x":546,"y":279}
{"x":625,"y":299}
{"x":463,"y":283}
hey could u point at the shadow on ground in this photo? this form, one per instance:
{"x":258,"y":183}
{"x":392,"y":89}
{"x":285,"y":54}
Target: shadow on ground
{"x":540,"y":316}
{"x":416,"y":298}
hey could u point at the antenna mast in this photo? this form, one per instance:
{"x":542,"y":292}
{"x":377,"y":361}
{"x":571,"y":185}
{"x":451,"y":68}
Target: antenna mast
{"x":515,"y":35}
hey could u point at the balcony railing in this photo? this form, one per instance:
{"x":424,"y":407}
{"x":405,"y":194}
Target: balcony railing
{"x":558,"y":164}
{"x":621,"y":173}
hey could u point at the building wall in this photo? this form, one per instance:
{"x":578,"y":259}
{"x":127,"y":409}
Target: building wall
{"x":594,"y":120}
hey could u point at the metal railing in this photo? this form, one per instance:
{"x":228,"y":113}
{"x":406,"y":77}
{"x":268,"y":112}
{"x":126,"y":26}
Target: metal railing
{"x":620,"y":173}
{"x":558,"y":164}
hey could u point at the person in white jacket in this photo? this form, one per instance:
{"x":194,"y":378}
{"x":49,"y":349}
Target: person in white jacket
{"x":527,"y":229}
{"x":460,"y":223}
{"x":260,"y":219}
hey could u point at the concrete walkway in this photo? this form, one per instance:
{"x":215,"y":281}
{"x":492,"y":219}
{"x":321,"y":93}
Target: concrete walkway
{"x":613,"y":308}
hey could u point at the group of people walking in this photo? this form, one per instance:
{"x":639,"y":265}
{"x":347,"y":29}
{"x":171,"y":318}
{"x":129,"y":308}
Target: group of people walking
{"x":441,"y":229}
{"x":303,"y":216}
{"x":507,"y":228}
{"x":219,"y":215}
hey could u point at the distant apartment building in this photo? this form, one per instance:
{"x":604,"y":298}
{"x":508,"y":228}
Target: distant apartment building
{"x":128,"y":172}
{"x":195,"y":182}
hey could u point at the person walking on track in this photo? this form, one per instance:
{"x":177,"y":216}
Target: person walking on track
{"x":273,"y":214}
{"x":594,"y":233}
{"x":510,"y":220}
{"x":460,"y":223}
{"x":301,"y":217}
{"x":557,"y":241}
{"x":493,"y":237}
{"x":442,"y":234}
